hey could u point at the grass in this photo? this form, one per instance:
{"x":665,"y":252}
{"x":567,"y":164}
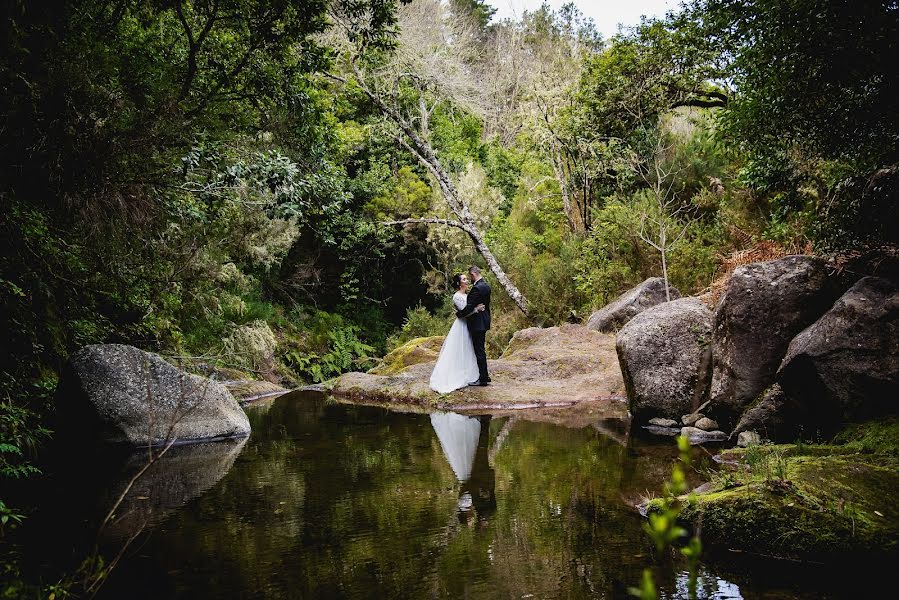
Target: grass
{"x":807,"y":501}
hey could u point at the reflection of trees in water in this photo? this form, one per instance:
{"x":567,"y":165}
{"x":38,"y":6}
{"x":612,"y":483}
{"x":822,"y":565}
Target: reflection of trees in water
{"x":560,"y":514}
{"x":329,"y":500}
{"x":181,"y":474}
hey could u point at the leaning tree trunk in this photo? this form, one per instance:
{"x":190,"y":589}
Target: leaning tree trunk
{"x":422,"y":150}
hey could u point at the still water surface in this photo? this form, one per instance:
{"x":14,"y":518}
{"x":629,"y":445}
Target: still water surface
{"x":328,"y":500}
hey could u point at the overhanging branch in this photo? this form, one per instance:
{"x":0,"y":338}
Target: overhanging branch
{"x":431,"y":221}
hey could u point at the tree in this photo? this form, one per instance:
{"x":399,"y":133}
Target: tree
{"x":406,"y":87}
{"x":624,"y":88}
{"x":148,"y":144}
{"x":660,"y":224}
{"x":819,"y":74}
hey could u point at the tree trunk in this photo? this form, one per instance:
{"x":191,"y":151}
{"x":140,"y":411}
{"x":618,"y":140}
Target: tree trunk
{"x":422,"y":149}
{"x":564,"y":188}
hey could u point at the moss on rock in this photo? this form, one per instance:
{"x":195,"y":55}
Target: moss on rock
{"x":413,"y":352}
{"x":822,"y":502}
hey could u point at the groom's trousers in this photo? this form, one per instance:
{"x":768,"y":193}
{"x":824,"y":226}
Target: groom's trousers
{"x":478,"y":339}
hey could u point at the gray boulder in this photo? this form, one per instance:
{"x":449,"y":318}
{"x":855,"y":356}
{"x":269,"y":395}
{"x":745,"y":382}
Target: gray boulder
{"x":628,"y":305}
{"x":690,"y":420}
{"x":663,"y":357}
{"x":772,"y":415}
{"x":701,"y":436}
{"x":748,"y":438}
{"x":706,"y":424}
{"x":763,"y":307}
{"x":122,"y":394}
{"x":846,"y":365}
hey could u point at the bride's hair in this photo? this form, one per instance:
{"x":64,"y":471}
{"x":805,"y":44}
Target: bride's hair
{"x":457,"y":281}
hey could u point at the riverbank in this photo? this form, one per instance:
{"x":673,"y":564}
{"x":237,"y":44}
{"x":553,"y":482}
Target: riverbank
{"x":540,"y":368}
{"x":804,"y":502}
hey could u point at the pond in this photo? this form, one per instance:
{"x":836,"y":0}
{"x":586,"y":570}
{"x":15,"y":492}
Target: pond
{"x":330,"y":500}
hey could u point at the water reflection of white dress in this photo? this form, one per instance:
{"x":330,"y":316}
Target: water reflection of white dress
{"x":456,"y":365}
{"x":458,"y":437}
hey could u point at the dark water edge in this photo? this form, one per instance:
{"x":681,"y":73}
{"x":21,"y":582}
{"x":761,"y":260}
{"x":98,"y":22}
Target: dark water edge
{"x":329,"y":500}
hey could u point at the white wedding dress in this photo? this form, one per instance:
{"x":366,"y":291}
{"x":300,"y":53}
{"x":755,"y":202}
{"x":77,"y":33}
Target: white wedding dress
{"x":456,"y":366}
{"x":458,"y":437}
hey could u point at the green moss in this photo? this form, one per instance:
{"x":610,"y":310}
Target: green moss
{"x":418,"y":350}
{"x":825,"y":507}
{"x":877,"y":437}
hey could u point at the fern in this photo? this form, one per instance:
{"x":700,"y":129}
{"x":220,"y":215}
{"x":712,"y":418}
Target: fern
{"x":329,"y":347}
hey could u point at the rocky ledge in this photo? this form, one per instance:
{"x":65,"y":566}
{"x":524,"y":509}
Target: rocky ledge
{"x":556,"y":366}
{"x":121,"y":394}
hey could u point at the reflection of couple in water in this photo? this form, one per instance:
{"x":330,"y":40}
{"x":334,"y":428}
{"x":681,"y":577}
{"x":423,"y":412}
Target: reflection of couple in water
{"x":465,"y":442}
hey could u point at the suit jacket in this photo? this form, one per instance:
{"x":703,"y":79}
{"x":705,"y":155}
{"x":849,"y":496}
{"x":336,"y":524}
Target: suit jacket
{"x":478,"y":294}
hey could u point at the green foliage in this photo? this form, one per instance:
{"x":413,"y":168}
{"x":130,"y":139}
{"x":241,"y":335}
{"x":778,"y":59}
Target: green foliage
{"x":768,"y":462}
{"x":813,"y":113}
{"x":410,"y":197}
{"x":20,"y":436}
{"x":332,"y":347}
{"x":662,"y":525}
{"x":420,"y":323}
{"x":503,"y":167}
{"x":874,"y":437}
{"x":830,"y":90}
{"x":479,"y":11}
{"x":9,"y":518}
{"x":612,"y":257}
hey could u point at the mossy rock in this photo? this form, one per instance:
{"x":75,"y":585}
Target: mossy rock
{"x":413,"y":352}
{"x":828,"y":508}
{"x":244,"y":389}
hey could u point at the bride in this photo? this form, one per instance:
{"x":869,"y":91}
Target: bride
{"x":456,"y":366}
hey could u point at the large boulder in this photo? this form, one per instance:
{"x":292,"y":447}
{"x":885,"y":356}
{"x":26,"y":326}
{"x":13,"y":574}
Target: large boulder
{"x":122,"y":394}
{"x":763,"y":307}
{"x":846,"y":365}
{"x":628,"y":305}
{"x":663,"y":354}
{"x":771,"y":415}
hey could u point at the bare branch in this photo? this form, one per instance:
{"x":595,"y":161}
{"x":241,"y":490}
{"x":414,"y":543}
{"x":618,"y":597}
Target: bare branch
{"x":432,"y":221}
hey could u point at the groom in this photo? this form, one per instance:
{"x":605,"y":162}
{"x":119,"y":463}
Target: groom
{"x":478,"y":321}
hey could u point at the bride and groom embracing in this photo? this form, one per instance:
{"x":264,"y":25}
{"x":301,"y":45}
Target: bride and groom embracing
{"x":463,"y":359}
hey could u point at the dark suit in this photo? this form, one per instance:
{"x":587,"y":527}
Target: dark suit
{"x":478,"y":322}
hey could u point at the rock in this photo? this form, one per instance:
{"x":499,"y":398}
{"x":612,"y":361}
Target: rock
{"x":659,"y":430}
{"x":413,"y":352}
{"x":699,"y":436}
{"x":554,"y":366}
{"x":833,"y":509}
{"x":706,"y":424}
{"x":628,"y":305}
{"x":690,"y":420}
{"x":772,"y":415}
{"x":748,"y":438}
{"x":663,"y":356}
{"x":127,"y":395}
{"x":249,"y":390}
{"x":846,"y":365}
{"x":662,"y":422}
{"x":763,"y":307}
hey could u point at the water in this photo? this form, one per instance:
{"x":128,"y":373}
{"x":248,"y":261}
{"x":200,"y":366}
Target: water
{"x":327,"y":500}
